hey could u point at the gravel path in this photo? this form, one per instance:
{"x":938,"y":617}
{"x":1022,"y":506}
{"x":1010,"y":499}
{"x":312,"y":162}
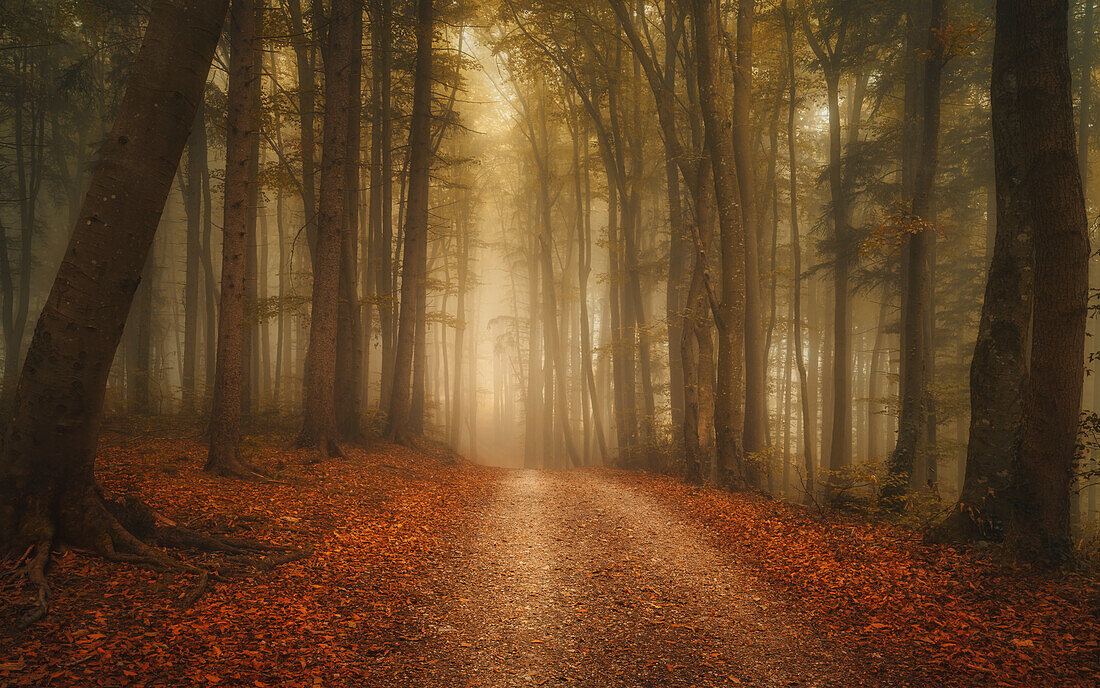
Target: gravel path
{"x":578,"y":579}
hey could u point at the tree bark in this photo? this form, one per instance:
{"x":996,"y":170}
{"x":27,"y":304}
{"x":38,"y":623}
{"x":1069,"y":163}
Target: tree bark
{"x":1040,"y":524}
{"x":756,"y":407}
{"x":914,"y":341}
{"x":307,"y":95}
{"x":349,"y":324}
{"x":730,"y":317}
{"x":225,"y":418}
{"x":192,"y":204}
{"x":416,"y":228}
{"x":806,"y":395}
{"x":319,"y":428}
{"x":47,"y":472}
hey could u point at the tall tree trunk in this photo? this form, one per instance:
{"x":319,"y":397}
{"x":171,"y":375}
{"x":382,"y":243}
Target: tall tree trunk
{"x":914,"y":392}
{"x":47,"y":470}
{"x":584,"y":268}
{"x":1055,"y":204}
{"x":840,"y":437}
{"x":875,"y":435}
{"x":416,"y":228}
{"x":192,"y":204}
{"x":250,"y":344}
{"x":381,"y":192}
{"x":756,"y":407}
{"x":463,"y":233}
{"x":319,"y":427}
{"x":210,"y":288}
{"x":304,"y":52}
{"x":384,"y":278}
{"x":806,"y":395}
{"x":349,"y":325}
{"x":730,"y":317}
{"x":225,"y":417}
{"x":697,"y":349}
{"x":534,"y":394}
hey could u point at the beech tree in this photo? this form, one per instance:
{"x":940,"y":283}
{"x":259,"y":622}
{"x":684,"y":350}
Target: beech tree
{"x":415,"y":251}
{"x":49,"y":491}
{"x":225,"y":417}
{"x":319,"y":427}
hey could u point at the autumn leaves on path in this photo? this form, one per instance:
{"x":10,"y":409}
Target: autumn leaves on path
{"x":578,"y":579}
{"x":427,"y":570}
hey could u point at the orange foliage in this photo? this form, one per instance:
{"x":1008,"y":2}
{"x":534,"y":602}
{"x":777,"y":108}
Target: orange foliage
{"x":370,"y":520}
{"x":919,"y":615}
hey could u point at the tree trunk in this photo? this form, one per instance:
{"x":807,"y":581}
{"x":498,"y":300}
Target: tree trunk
{"x":349,"y":325}
{"x":250,"y":344}
{"x":192,"y":204}
{"x":756,"y":407}
{"x":307,"y":95}
{"x":730,"y":317}
{"x":1040,"y":526}
{"x":225,"y":418}
{"x":210,"y":288}
{"x":47,"y":472}
{"x":416,"y":228}
{"x":384,"y":282}
{"x":805,"y":393}
{"x":319,"y":427}
{"x":914,"y":336}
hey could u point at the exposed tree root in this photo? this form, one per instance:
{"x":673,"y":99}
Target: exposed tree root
{"x":237,"y":467}
{"x":325,"y":447}
{"x":125,"y":530}
{"x":35,"y":570}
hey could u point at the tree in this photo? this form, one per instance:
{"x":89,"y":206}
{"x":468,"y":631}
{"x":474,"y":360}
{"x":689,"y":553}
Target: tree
{"x":1055,"y":207}
{"x":756,"y":406}
{"x":796,"y":254}
{"x":415,"y":250}
{"x":47,"y":471}
{"x":999,"y":369}
{"x":730,"y":316}
{"x":225,"y":414}
{"x":917,"y":228}
{"x":349,"y":333}
{"x":319,"y":427}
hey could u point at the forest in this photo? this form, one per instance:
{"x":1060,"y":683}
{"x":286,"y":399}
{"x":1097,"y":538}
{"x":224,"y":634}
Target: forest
{"x":549,"y":342}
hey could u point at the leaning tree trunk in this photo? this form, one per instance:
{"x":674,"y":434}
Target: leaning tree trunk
{"x":1040,"y":524}
{"x":416,"y":228}
{"x":319,"y":428}
{"x":225,"y":418}
{"x":47,"y":472}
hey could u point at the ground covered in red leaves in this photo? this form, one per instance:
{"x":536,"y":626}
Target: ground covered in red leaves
{"x":370,"y":520}
{"x":424,"y":569}
{"x":921,"y":615}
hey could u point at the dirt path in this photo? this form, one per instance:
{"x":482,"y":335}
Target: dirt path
{"x":578,"y":579}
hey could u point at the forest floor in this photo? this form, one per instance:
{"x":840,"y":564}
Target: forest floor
{"x":426,"y":570}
